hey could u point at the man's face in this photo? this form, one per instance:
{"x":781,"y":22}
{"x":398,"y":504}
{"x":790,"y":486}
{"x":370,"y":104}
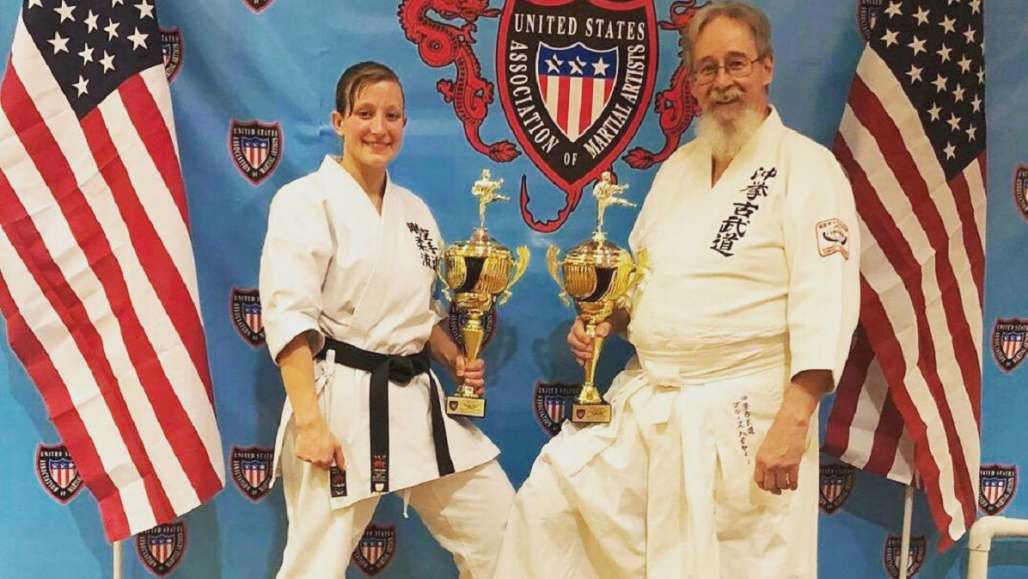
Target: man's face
{"x":725,"y":42}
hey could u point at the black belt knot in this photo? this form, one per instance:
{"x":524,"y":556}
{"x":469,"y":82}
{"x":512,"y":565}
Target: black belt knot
{"x":401,"y":370}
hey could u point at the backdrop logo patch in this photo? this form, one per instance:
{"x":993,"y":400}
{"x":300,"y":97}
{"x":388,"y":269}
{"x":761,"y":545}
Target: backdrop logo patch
{"x":836,"y":485}
{"x":1021,"y":189}
{"x":917,"y":550}
{"x":256,"y":148}
{"x":998,"y":484}
{"x":375,"y":549}
{"x":551,"y":401}
{"x":575,"y":80}
{"x":162,"y":547}
{"x":246,"y":315}
{"x":867,"y":15}
{"x":171,"y":48}
{"x":257,"y":5}
{"x":575,"y":76}
{"x":251,"y":470}
{"x":1009,"y":337}
{"x":457,"y":319}
{"x":57,"y":472}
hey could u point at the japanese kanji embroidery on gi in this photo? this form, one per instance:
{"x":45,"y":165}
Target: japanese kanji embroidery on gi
{"x":426,"y":245}
{"x":733,"y":228}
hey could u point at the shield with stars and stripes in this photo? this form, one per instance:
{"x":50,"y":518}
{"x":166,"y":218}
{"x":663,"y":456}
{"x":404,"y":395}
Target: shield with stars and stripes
{"x":1009,"y":347}
{"x":576,"y":83}
{"x":998,"y":483}
{"x":375,"y":549}
{"x":161,"y":548}
{"x":57,"y":472}
{"x":575,"y":78}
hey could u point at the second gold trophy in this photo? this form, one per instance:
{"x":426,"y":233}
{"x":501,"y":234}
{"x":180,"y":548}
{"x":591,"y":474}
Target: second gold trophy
{"x":598,"y":275}
{"x":476,"y":274}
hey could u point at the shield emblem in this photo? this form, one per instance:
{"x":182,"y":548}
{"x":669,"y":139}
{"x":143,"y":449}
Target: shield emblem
{"x":57,"y":472}
{"x":257,"y":5}
{"x":867,"y":14}
{"x":246,"y":315}
{"x":915,"y":558}
{"x":162,"y":547}
{"x":171,"y":49}
{"x":998,"y":484}
{"x":251,"y":470}
{"x":375,"y":549}
{"x":1009,"y":338}
{"x":576,"y":83}
{"x":575,"y":79}
{"x":550,"y":402}
{"x":256,"y":148}
{"x":456,"y":320}
{"x":836,"y":485}
{"x":1021,"y":189}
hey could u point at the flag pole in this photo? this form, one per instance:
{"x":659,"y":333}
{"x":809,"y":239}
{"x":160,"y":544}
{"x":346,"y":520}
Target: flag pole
{"x":116,"y":549}
{"x":908,"y":513}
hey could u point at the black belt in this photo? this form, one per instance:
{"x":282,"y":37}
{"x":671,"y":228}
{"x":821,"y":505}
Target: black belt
{"x":401,"y":370}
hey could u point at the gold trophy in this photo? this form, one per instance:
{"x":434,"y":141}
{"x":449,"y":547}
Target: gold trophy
{"x":597,"y":275}
{"x":475,"y":273}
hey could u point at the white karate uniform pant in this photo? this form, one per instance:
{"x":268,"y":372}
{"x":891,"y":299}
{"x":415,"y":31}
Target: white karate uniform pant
{"x":666,"y":490}
{"x":466,"y":512}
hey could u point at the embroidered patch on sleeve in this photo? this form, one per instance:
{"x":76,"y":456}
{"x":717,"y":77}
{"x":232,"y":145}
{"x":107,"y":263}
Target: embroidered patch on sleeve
{"x":833,"y":237}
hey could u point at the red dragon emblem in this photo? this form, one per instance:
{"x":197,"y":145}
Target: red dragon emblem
{"x":442,"y":44}
{"x":569,"y":137}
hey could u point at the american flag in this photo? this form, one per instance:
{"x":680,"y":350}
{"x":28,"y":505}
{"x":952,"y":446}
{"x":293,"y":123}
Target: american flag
{"x":97,"y":280}
{"x":912,"y":139}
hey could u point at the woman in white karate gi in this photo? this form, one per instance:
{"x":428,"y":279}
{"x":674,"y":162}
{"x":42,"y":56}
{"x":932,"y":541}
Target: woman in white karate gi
{"x":346,"y":283}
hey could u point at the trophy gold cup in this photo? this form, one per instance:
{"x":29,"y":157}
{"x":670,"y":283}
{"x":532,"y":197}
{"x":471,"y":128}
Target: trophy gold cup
{"x":476,"y":274}
{"x":597,"y":275}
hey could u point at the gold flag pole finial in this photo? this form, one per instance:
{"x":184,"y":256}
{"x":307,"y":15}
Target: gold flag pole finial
{"x":487,"y":191}
{"x":606,"y":193}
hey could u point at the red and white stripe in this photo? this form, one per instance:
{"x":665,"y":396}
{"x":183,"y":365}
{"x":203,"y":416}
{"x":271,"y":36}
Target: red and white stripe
{"x":255,"y":155}
{"x":922,"y":269}
{"x":63,"y":474}
{"x":99,"y":290}
{"x":575,"y":103}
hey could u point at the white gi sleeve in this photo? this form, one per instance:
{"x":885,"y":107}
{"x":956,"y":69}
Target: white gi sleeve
{"x":297,"y":250}
{"x":823,"y":256}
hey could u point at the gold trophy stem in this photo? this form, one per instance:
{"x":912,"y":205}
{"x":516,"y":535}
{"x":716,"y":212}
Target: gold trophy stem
{"x":473,"y":333}
{"x":589,"y":407}
{"x":589,"y":393}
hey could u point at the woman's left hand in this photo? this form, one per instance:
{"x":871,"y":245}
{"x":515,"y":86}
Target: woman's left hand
{"x":470,"y":373}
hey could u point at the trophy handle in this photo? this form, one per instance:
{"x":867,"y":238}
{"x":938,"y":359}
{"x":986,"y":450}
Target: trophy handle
{"x":520,"y":266}
{"x":442,"y":283}
{"x":553,"y":265}
{"x":642,"y":259}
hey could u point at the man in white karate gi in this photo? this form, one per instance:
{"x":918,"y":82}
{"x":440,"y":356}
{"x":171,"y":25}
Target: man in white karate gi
{"x":709,"y":467}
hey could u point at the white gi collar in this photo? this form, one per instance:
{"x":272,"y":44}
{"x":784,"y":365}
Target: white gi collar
{"x":335,"y":178}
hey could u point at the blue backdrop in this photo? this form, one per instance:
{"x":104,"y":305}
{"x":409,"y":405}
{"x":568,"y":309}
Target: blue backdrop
{"x":278,"y":63}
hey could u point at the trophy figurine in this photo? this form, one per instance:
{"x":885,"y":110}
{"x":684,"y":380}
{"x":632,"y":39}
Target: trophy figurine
{"x":597,"y":275}
{"x":475,"y":274}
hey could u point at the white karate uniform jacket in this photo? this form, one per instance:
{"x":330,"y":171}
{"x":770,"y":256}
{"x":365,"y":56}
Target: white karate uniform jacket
{"x":332,"y":266}
{"x":749,"y":282}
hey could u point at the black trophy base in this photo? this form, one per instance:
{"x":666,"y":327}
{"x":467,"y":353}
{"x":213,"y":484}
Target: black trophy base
{"x":598,"y":413}
{"x":466,"y":407}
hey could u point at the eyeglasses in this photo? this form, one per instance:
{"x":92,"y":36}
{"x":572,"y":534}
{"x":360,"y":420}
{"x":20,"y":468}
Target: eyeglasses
{"x":739,"y":66}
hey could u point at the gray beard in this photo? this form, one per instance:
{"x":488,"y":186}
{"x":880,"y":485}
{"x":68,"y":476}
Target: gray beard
{"x":726,"y":138}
